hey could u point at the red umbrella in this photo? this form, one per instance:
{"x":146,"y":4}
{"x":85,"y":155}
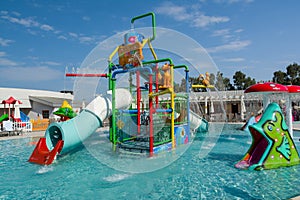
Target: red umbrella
{"x":293,"y":88}
{"x":268,"y":87}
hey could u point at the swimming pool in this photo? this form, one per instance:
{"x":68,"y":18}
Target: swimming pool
{"x":194,"y":175}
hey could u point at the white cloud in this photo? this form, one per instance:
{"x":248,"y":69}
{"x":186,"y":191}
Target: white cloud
{"x":179,"y":13}
{"x":234,"y":1}
{"x":33,"y":27}
{"x":239,"y":30}
{"x":46,"y":27}
{"x":204,"y":20}
{"x":5,"y":42}
{"x":86,"y":18}
{"x":227,"y":34}
{"x":27,"y":22}
{"x":221,"y":32}
{"x":75,"y":35}
{"x":233,"y":60}
{"x":61,"y":37}
{"x":32,"y":74}
{"x":191,"y":14}
{"x":86,"y":39}
{"x":231,"y":46}
{"x":51,"y":63}
{"x":6,"y":63}
{"x":2,"y":53}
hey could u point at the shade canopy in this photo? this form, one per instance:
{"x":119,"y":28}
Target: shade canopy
{"x":293,"y":88}
{"x":11,"y":100}
{"x":267,"y":87}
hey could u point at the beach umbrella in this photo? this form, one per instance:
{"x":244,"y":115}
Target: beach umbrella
{"x":205,"y":105}
{"x":212,"y":109}
{"x":17,"y":114}
{"x":243,"y":108}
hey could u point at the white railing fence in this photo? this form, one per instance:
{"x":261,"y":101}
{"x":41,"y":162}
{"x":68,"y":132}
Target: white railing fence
{"x":23,"y":126}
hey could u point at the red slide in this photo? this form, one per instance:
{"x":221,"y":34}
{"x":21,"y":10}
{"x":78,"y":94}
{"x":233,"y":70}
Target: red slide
{"x":41,"y":154}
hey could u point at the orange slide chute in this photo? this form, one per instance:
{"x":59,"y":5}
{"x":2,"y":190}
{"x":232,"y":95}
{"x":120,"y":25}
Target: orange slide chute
{"x":42,"y":155}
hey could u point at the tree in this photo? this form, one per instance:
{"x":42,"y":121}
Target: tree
{"x":227,"y":84}
{"x":182,"y":86}
{"x":280,"y":77}
{"x":248,"y":82}
{"x":293,"y":71}
{"x":239,"y":80}
{"x":212,"y":79}
{"x":219,"y":82}
{"x":291,"y":76}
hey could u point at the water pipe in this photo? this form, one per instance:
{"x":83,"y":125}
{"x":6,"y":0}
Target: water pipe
{"x":170,"y":110}
{"x":85,"y":75}
{"x":138,"y":101}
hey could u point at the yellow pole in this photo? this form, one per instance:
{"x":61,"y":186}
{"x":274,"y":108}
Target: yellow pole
{"x":152,"y":50}
{"x":144,"y":42}
{"x":112,"y":54}
{"x":172,"y":106}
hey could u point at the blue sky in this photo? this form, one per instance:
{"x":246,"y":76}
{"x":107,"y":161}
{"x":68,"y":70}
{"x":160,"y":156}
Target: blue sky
{"x":38,"y":39}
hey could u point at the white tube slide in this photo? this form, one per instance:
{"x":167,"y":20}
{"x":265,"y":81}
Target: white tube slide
{"x":197,"y":122}
{"x":74,"y":131}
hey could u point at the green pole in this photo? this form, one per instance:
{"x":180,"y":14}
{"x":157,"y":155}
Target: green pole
{"x":182,"y":66}
{"x":110,"y":66}
{"x":153,"y":23}
{"x":113,"y":137}
{"x":169,"y":60}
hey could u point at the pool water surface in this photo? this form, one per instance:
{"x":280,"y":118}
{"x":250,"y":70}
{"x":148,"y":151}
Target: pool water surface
{"x":204,"y":171}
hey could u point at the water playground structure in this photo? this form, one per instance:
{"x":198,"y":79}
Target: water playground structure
{"x":272,"y":136}
{"x":146,"y":115}
{"x":16,"y":122}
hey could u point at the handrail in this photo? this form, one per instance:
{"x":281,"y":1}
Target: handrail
{"x":159,"y":61}
{"x":182,"y":66}
{"x":153,"y":23}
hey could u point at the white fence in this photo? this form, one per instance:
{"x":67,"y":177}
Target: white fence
{"x":23,"y":126}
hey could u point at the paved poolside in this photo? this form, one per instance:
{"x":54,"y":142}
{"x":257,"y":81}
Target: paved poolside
{"x":24,"y":135}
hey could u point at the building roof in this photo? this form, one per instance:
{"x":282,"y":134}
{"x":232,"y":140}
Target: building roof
{"x":50,"y":98}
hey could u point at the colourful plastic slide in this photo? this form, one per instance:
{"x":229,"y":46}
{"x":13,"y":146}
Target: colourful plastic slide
{"x":24,"y":117}
{"x":3,"y":117}
{"x":62,"y":137}
{"x":272,"y":145}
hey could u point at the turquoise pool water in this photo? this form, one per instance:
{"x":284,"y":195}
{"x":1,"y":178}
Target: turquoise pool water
{"x":80,"y":175}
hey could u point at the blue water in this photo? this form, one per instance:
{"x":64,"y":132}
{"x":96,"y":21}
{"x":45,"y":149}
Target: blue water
{"x":194,"y":175}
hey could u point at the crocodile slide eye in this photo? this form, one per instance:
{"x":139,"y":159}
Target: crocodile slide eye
{"x":270,"y":128}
